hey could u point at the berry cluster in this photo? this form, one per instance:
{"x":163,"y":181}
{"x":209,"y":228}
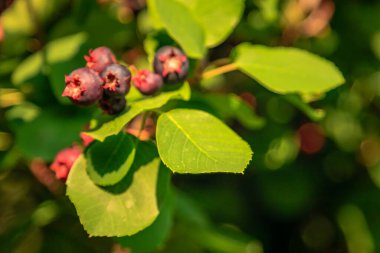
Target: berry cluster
{"x":106,"y":81}
{"x":170,"y":65}
{"x":103,"y":80}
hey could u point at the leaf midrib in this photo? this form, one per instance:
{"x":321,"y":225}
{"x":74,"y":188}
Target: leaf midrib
{"x":189,"y":137}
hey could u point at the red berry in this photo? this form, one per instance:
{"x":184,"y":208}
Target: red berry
{"x":147,"y":82}
{"x":311,"y":138}
{"x":117,"y":79}
{"x":100,"y":58}
{"x":134,"y":127}
{"x":63,"y":162}
{"x":86,"y":139}
{"x":249,"y":99}
{"x":83,"y":86}
{"x":171,"y":64}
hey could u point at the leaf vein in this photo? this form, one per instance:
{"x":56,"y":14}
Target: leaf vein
{"x":189,"y":137}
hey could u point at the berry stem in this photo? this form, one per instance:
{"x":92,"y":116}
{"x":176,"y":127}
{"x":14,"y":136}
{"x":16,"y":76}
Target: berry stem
{"x":220,"y":70}
{"x":133,"y":70}
{"x":145,"y":116}
{"x":220,"y":62}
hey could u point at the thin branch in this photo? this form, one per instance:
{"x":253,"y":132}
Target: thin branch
{"x":221,"y":70}
{"x":220,"y":62}
{"x":145,"y":116}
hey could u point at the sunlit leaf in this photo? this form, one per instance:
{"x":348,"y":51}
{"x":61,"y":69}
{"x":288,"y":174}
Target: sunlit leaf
{"x":182,"y":26}
{"x":218,"y":18}
{"x":288,"y":70}
{"x":153,"y":236}
{"x":114,"y":125}
{"x":122,"y":209}
{"x":192,"y":141}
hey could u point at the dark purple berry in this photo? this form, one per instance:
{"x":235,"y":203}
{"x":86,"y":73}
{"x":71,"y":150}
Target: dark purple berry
{"x":63,"y":162}
{"x":83,"y":86}
{"x":147,"y":82}
{"x":135,"y":5}
{"x":117,"y":79}
{"x":99,"y":58}
{"x":4,"y":4}
{"x":171,"y":64}
{"x":112,"y":104}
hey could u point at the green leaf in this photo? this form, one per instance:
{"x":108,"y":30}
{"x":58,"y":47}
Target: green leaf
{"x":231,"y":106}
{"x":58,"y":58}
{"x":150,"y":46}
{"x":154,"y":15}
{"x":21,"y":114}
{"x":152,"y":237}
{"x":191,"y":141}
{"x":109,"y":161}
{"x":8,"y":65}
{"x":288,"y":70}
{"x":65,"y":48}
{"x":113,"y":125}
{"x":28,"y":69}
{"x":123,"y":209}
{"x":313,"y":114}
{"x":182,"y":26}
{"x":214,"y":20}
{"x":114,"y":35}
{"x":43,"y":136}
{"x":268,"y":9}
{"x":18,"y":19}
{"x":218,"y":18}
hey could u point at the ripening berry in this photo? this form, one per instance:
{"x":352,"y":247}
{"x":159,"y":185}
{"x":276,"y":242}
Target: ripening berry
{"x":112,"y":104}
{"x":99,"y":58}
{"x":147,"y":82}
{"x":83,"y":86}
{"x":144,"y":134}
{"x":4,"y":4}
{"x":249,"y":99}
{"x":311,"y":138}
{"x":63,"y":162}
{"x":134,"y":5}
{"x":171,"y":64}
{"x":86,"y":139}
{"x":117,"y":79}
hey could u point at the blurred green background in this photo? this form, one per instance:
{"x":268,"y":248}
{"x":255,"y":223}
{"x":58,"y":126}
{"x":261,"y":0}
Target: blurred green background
{"x":311,"y":187}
